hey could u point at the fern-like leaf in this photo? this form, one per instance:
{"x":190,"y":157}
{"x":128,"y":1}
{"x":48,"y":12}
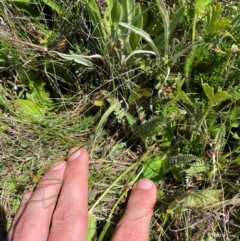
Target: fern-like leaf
{"x":181,"y":159}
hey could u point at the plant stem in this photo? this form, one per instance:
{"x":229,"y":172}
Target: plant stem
{"x":204,"y":116}
{"x":194,"y":27}
{"x":134,"y":166}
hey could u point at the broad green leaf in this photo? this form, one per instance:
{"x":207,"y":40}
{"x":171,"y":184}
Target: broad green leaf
{"x":144,"y":12}
{"x":154,"y":24}
{"x":154,"y":169}
{"x":77,"y":58}
{"x":159,"y":41}
{"x":197,"y":200}
{"x":127,"y":11}
{"x":209,"y":92}
{"x":176,"y":19}
{"x":28,"y":110}
{"x":39,"y":95}
{"x":92,"y":227}
{"x":138,"y":93}
{"x":143,"y":34}
{"x":220,"y":96}
{"x":115,"y":15}
{"x":201,"y":6}
{"x":137,"y":22}
{"x":95,"y":16}
{"x":112,"y":16}
{"x":166,"y":22}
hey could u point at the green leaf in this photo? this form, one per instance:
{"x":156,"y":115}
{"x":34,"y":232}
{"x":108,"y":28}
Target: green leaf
{"x":194,"y":56}
{"x":139,"y":93}
{"x":138,"y":52}
{"x":77,"y":58}
{"x":220,"y":96}
{"x":115,"y":15}
{"x":178,"y":174}
{"x":127,"y":11}
{"x":143,"y":34}
{"x":137,"y":22}
{"x":209,"y":92}
{"x":201,"y":6}
{"x":154,"y":169}
{"x":182,"y":96}
{"x":95,"y":16}
{"x":154,"y":24}
{"x":214,"y":23}
{"x":28,"y":110}
{"x":159,"y":41}
{"x":196,"y":200}
{"x":54,"y":5}
{"x":39,"y":95}
{"x":235,"y":113}
{"x":166,"y":23}
{"x":92,"y":227}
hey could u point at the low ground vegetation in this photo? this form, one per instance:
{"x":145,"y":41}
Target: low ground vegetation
{"x":150,"y":88}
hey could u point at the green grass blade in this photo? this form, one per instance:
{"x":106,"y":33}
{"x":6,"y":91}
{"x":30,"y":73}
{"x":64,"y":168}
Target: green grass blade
{"x":54,"y":5}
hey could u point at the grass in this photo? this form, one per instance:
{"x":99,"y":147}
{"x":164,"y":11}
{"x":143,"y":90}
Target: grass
{"x":154,"y":97}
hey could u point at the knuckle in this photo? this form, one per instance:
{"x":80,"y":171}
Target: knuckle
{"x":67,"y":215}
{"x":126,"y":233}
{"x":29,"y":226}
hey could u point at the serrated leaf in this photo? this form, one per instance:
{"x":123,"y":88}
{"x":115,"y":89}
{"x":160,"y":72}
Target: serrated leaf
{"x":92,"y":227}
{"x":209,"y":92}
{"x":214,"y":23}
{"x":220,"y":96}
{"x":154,"y":169}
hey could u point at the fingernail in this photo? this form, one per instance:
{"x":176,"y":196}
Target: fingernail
{"x":57,"y":166}
{"x":75,"y":153}
{"x":144,"y":184}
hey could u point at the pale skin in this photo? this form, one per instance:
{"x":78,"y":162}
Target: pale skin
{"x":58,"y":208}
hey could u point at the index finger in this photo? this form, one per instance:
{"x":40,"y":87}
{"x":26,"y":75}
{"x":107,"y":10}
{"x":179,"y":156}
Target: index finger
{"x":70,"y":217}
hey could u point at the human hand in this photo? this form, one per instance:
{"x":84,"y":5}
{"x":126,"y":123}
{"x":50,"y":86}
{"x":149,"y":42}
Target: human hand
{"x":58,"y":208}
